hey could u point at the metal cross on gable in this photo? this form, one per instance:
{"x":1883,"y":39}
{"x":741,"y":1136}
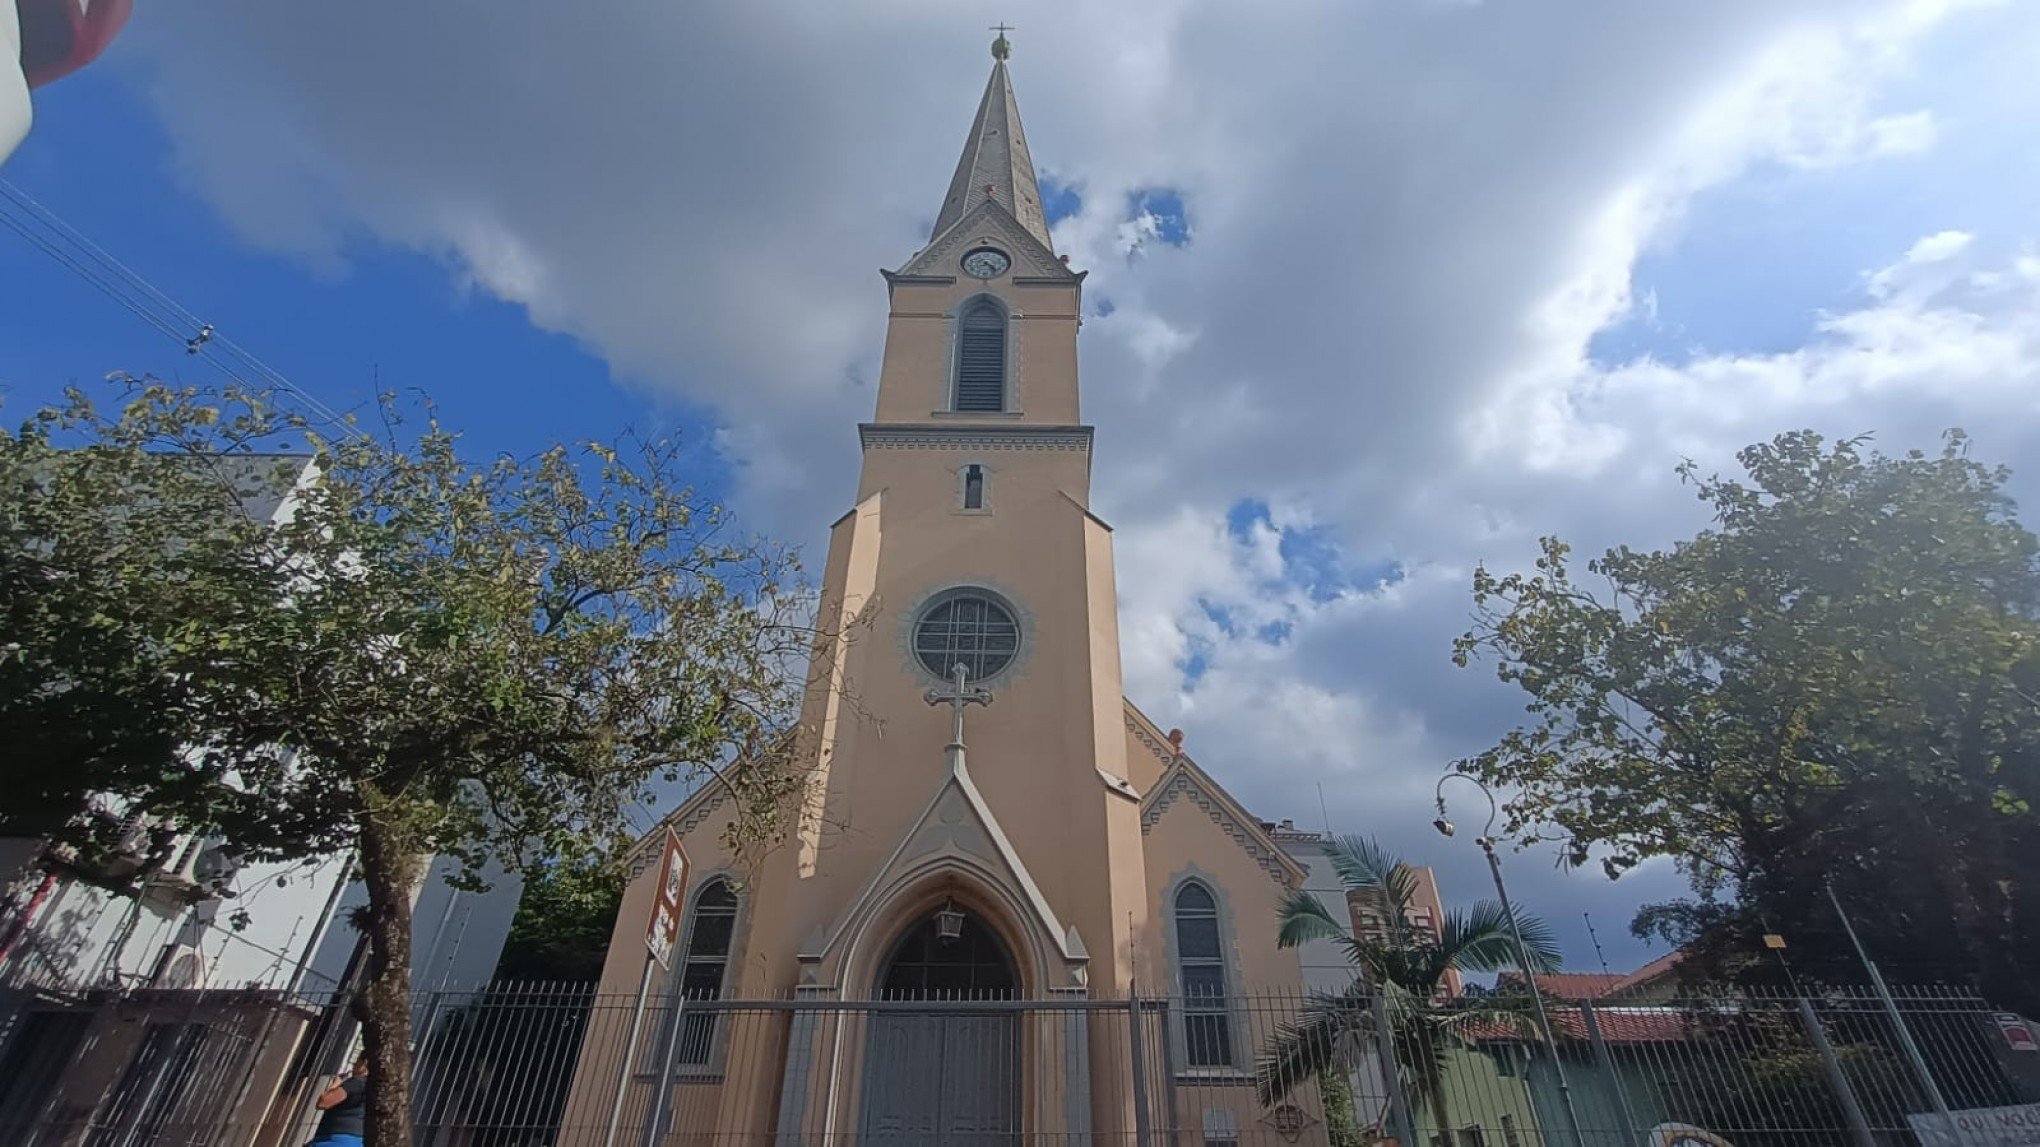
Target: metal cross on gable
{"x":959,"y":694}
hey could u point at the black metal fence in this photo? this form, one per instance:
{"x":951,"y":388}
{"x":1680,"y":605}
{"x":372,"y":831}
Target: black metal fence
{"x":564,"y":1065}
{"x":1754,"y":1069}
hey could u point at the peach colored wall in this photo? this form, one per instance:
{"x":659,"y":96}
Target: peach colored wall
{"x":919,"y":346}
{"x":604,"y":1045}
{"x":1036,"y":751}
{"x":1124,"y":861}
{"x":1147,"y":751}
{"x":1185,"y":840}
{"x":851,"y":576}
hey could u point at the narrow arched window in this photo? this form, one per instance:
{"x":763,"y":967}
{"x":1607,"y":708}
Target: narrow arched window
{"x":1200,"y":966}
{"x":981,"y":358}
{"x":705,"y":966}
{"x":974,"y":487}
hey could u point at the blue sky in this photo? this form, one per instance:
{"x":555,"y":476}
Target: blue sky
{"x":386,"y":318}
{"x":1377,"y":292}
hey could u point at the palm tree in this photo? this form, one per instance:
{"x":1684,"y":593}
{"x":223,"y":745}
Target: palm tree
{"x":1407,"y":966}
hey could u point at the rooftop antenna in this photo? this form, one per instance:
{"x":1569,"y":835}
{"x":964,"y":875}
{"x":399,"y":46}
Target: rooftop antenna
{"x":1324,"y":810}
{"x":1595,"y":937}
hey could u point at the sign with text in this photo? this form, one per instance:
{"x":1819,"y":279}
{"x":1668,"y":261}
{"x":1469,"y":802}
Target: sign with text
{"x":2017,"y":1032}
{"x":662,"y":930}
{"x":2017,"y":1126}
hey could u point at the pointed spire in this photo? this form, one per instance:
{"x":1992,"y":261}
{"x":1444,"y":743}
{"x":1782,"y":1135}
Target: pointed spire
{"x":996,"y":164}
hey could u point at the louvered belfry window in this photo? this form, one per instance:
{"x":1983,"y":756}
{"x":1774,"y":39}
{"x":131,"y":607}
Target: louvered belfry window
{"x":981,"y":358}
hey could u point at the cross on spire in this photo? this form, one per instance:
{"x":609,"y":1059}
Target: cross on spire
{"x":959,"y":694}
{"x":1002,"y":47}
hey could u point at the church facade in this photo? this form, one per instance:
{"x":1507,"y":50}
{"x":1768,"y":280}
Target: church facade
{"x":995,"y":838}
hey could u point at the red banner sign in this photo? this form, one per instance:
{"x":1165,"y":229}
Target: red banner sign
{"x":662,"y":931}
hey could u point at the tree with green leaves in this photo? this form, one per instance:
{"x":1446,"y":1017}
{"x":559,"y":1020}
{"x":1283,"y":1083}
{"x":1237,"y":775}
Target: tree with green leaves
{"x":109,"y":558}
{"x":564,"y":917}
{"x":1839,"y":680}
{"x":1408,"y":967}
{"x":421,"y":655}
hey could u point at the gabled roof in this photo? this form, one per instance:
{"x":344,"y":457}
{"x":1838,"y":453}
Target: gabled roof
{"x":1183,"y":780}
{"x":1576,"y":986}
{"x":995,"y":157}
{"x":1569,"y":985}
{"x":988,"y":221}
{"x":699,"y":806}
{"x":956,"y":822}
{"x":1619,"y":1025}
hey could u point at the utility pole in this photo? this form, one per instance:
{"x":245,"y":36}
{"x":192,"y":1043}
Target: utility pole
{"x":1905,"y":1039}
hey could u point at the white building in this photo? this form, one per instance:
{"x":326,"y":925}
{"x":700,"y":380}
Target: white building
{"x":169,"y":909}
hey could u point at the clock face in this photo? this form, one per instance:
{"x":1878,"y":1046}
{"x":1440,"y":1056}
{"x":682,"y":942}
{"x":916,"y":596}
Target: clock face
{"x":986,"y":263}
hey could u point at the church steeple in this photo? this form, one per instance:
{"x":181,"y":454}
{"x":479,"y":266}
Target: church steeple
{"x":995,"y":157}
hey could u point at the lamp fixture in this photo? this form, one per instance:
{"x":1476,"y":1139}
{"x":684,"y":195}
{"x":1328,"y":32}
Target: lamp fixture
{"x":948,"y":923}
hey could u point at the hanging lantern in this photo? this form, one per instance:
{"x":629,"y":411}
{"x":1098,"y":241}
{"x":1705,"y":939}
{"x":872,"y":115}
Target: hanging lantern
{"x":948,"y":923}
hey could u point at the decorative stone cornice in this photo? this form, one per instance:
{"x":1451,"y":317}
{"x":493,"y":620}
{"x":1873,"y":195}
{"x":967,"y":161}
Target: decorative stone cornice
{"x":1163,"y":752}
{"x":989,"y":222}
{"x":1183,"y":783}
{"x":683,"y":820}
{"x":910,"y":436}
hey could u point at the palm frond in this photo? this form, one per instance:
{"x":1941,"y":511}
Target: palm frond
{"x":1541,"y":941}
{"x":1511,"y":1014}
{"x":1312,"y":1044}
{"x":1303,"y":917}
{"x":1478,"y":939}
{"x":1364,"y":864}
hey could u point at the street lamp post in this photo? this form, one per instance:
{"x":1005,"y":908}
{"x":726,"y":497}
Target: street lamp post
{"x":1486,"y":840}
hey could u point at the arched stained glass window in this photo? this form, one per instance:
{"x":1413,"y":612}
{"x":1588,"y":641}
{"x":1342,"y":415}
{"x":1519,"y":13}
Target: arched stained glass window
{"x":705,"y":966}
{"x":1200,"y":966}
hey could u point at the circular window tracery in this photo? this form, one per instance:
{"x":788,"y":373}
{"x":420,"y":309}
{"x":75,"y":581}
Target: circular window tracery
{"x":967,"y":627}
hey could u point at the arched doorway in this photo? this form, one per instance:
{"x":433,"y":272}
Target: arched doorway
{"x":940,"y":1065}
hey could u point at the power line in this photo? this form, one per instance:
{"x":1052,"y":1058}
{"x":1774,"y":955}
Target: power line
{"x":47,"y":232}
{"x":1596,"y":938}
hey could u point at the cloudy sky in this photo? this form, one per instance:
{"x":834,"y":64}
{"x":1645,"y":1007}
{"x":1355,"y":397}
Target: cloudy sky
{"x":1379,"y":289}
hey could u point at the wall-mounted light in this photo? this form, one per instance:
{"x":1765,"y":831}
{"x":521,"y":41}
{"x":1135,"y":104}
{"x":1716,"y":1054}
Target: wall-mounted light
{"x":948,"y":923}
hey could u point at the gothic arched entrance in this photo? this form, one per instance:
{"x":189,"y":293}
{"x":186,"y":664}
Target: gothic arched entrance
{"x":940,"y":1066}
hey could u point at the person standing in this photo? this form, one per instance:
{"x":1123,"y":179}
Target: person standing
{"x":344,"y":1108}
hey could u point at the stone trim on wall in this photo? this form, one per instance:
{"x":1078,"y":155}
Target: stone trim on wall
{"x":908,"y":436}
{"x":1182,"y":784}
{"x":1240,"y":1055}
{"x":684,"y":820}
{"x":989,"y":222}
{"x":1163,"y":751}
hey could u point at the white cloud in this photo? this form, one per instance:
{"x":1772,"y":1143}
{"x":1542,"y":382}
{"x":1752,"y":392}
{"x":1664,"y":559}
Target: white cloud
{"x":1902,"y":134}
{"x":1412,"y":221}
{"x":1939,"y":247}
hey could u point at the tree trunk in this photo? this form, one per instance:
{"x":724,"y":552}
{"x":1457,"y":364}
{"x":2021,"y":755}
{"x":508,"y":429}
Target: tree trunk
{"x":389,"y":870}
{"x":1431,"y":1073}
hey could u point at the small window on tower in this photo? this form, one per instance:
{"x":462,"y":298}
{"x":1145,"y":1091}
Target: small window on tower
{"x":973,"y":487}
